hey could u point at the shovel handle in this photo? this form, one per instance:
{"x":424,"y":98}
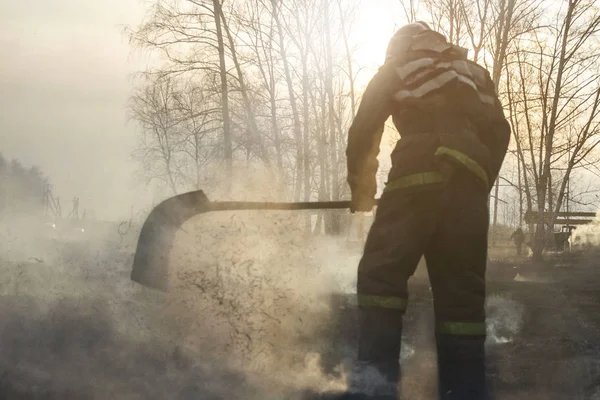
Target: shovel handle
{"x":306,"y":205}
{"x":252,"y":205}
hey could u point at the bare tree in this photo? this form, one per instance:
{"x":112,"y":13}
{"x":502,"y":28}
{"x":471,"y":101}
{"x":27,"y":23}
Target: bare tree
{"x":410,"y":10}
{"x":199,"y":127}
{"x":555,"y":106}
{"x":153,"y":108}
{"x":227,"y":142}
{"x":276,"y":12}
{"x":274,"y":81}
{"x":255,"y":133}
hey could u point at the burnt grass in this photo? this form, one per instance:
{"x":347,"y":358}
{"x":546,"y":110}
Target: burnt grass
{"x":71,"y":353}
{"x":555,"y":354}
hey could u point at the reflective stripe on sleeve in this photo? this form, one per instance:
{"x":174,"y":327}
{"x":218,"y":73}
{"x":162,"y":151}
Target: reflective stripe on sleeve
{"x":465,"y":160}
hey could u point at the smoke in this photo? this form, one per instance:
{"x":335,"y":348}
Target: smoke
{"x":585,"y":236}
{"x":250,"y":315}
{"x":73,"y":350}
{"x":265,"y":288}
{"x":504,"y":319}
{"x":259,"y":308}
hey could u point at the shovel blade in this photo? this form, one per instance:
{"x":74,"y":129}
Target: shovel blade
{"x":151,"y":259}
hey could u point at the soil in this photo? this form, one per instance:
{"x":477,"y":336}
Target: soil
{"x":548,"y":342}
{"x":74,"y":327}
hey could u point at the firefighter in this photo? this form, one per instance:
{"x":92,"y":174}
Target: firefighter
{"x":518,"y":237}
{"x":454,"y":137}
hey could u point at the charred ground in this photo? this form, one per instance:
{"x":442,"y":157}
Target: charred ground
{"x":267,"y":321}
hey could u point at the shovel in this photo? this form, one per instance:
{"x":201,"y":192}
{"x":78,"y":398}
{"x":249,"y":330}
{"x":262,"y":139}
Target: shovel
{"x":150,"y":263}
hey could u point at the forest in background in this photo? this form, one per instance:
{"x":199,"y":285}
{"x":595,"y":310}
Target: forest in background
{"x":22,"y":188}
{"x":268,"y":88}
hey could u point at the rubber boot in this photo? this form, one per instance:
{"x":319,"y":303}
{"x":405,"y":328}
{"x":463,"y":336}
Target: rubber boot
{"x":377,"y":371}
{"x":461,"y":367}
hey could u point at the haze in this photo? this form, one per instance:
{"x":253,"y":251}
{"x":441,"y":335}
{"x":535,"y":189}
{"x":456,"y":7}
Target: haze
{"x":66,"y":75}
{"x":64,"y":78}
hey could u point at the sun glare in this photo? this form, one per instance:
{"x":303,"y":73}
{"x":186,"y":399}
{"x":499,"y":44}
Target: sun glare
{"x":374,"y":27}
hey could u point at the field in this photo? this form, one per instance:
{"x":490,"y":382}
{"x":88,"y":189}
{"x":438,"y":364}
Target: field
{"x":260,"y":311}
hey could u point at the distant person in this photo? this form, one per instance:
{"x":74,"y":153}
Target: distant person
{"x":518,"y":237}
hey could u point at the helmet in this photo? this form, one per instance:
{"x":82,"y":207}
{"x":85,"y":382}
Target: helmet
{"x":404,"y":37}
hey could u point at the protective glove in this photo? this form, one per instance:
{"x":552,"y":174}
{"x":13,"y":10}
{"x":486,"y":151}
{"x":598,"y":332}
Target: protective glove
{"x":363,"y":199}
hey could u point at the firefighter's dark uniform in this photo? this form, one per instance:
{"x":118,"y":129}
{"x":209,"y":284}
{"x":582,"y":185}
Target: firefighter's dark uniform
{"x":454,"y":137}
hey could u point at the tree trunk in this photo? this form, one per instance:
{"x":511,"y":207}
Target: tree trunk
{"x":306,"y":133}
{"x":545,"y":176}
{"x":495,"y":220}
{"x":519,"y":183}
{"x":550,"y":223}
{"x":227,"y":141}
{"x":274,"y":125}
{"x":262,"y":151}
{"x":348,"y":60}
{"x":290,"y":86}
{"x":505,"y":23}
{"x":335,"y":190}
{"x":321,"y":152}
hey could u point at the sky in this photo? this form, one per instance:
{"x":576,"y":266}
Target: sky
{"x":65,"y":76}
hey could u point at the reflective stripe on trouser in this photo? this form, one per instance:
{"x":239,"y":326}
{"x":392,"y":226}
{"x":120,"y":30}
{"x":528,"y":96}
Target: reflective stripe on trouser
{"x":466,"y":161}
{"x":449,"y":227}
{"x":390,"y":302}
{"x":461,"y":328}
